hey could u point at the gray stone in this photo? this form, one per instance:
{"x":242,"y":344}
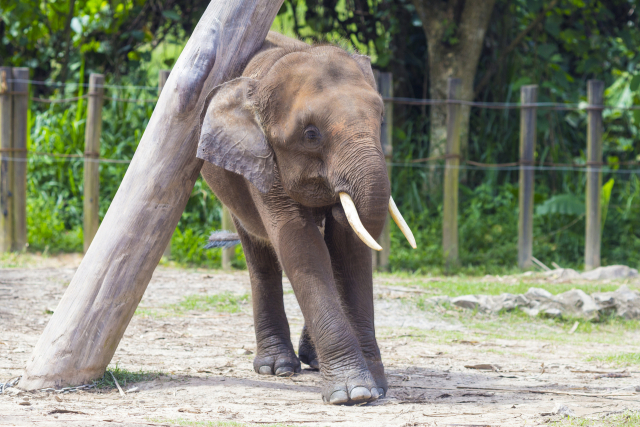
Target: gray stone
{"x":579,"y":303}
{"x":538,"y":294}
{"x":466,"y":301}
{"x":562,"y":274}
{"x":609,"y":273}
{"x":624,"y":302}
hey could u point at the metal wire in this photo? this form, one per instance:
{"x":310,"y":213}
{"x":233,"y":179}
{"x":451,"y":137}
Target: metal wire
{"x":44,"y":83}
{"x":395,"y":100}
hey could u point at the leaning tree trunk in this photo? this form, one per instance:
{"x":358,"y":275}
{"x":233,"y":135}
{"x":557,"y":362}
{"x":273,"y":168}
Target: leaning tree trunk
{"x":86,"y":327}
{"x":455,"y":30}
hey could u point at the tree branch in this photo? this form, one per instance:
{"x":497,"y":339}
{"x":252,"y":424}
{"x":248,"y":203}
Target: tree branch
{"x":538,"y":19}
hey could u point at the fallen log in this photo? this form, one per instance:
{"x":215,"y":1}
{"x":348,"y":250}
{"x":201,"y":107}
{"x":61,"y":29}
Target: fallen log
{"x":85,"y":329}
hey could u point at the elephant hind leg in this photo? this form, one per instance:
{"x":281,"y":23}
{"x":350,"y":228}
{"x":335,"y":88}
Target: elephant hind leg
{"x":307,"y":351}
{"x":275,"y":354}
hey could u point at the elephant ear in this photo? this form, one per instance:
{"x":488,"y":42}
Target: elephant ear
{"x":231,"y":136}
{"x":364,"y":62}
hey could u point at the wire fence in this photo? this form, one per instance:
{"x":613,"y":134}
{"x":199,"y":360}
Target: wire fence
{"x":450,"y":163}
{"x":468,"y":164}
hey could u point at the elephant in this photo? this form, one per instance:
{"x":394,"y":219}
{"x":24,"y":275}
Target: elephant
{"x":292,"y":148}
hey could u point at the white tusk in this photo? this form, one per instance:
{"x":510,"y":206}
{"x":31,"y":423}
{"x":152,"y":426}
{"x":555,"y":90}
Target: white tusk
{"x":402,"y":224}
{"x":354,"y":220}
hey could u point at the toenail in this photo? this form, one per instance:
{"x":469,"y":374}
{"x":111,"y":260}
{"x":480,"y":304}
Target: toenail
{"x":339,"y":397}
{"x":360,"y":393}
{"x":314,"y":364}
{"x":381,"y":392}
{"x":284,"y":371}
{"x":374,"y":393}
{"x":265,"y":370}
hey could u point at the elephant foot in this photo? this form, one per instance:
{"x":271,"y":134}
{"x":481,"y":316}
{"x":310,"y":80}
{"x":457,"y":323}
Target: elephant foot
{"x":377,"y":371}
{"x":307,"y":351}
{"x":350,"y":389}
{"x":282,"y":364}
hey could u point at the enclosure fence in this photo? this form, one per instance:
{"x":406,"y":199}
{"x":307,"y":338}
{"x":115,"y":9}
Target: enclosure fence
{"x":14,"y":104}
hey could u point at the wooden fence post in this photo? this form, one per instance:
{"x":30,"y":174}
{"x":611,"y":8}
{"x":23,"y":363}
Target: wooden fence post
{"x":6,"y":159}
{"x":92,"y":316}
{"x":595,"y":92}
{"x":528,"y":95}
{"x":92,"y":131}
{"x":385,"y":86}
{"x":163,"y":76}
{"x":451,"y":173}
{"x":19,"y":136}
{"x":384,"y":81}
{"x":228,"y":254}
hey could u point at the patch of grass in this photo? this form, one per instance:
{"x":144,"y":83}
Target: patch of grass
{"x":124,"y":377}
{"x":626,"y":419}
{"x":225,"y":302}
{"x":186,"y":422}
{"x":618,"y":358}
{"x":462,"y":285}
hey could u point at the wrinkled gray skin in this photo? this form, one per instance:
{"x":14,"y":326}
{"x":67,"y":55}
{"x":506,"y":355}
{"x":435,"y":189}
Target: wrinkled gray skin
{"x":301,"y":125}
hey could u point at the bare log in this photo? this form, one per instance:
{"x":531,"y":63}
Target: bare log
{"x":451,"y":174}
{"x":86,"y":327}
{"x":19,"y":158}
{"x":528,"y":95}
{"x":593,"y":232}
{"x":6,"y":159}
{"x":93,"y":129}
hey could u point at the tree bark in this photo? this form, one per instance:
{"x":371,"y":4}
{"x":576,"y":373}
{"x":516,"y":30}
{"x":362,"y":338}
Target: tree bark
{"x":86,"y":327}
{"x":67,"y":42}
{"x":455,"y":31}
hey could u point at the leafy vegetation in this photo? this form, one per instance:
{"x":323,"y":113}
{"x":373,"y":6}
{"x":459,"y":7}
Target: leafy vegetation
{"x":62,"y":41}
{"x":124,"y":377}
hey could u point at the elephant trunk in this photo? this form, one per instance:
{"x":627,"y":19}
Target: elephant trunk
{"x":364,"y":191}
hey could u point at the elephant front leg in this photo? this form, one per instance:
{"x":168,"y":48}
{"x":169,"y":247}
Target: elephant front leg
{"x":351,"y":261}
{"x":275,"y":354}
{"x":305,"y":258}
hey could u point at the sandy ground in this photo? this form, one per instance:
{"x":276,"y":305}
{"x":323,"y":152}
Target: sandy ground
{"x":207,"y":377}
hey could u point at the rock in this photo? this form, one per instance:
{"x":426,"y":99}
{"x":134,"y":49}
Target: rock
{"x":562,"y":409}
{"x":466,"y":301}
{"x":610,"y":272}
{"x":563,"y":274}
{"x":538,"y":294}
{"x":624,"y":302}
{"x":579,"y":303}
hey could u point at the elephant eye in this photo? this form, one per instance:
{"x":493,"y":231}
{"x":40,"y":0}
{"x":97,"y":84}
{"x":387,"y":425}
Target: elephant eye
{"x":312,"y":133}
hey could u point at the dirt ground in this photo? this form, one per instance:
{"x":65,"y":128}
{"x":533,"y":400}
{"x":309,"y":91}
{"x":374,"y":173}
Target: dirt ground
{"x":206,"y":374}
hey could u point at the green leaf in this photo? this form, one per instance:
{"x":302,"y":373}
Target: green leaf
{"x":635,"y":82}
{"x":605,"y":196}
{"x":566,"y":204}
{"x":170,"y":14}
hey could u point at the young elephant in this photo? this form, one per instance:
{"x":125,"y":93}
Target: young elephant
{"x":292,"y":147}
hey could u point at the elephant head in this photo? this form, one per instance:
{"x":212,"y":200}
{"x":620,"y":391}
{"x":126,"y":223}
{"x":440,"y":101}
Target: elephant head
{"x":311,"y":122}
